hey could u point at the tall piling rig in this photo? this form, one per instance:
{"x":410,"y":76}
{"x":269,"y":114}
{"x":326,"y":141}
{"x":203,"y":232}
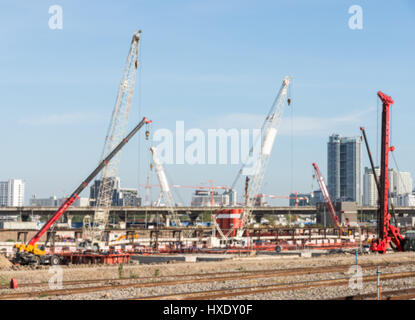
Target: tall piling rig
{"x":388,"y":235}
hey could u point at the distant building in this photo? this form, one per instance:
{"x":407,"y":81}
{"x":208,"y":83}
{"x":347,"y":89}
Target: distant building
{"x":44,"y":202}
{"x":405,"y":200}
{"x":344,"y":167}
{"x":203,"y":198}
{"x":400,"y":183}
{"x":12,"y":193}
{"x":57,"y":202}
{"x":300,"y":199}
{"x":114,"y":185}
{"x":399,"y":189}
{"x":128,"y":197}
{"x":370,"y":191}
{"x":232,"y":197}
{"x":316,"y":197}
{"x":260,"y":201}
{"x":120,"y":196}
{"x":4,"y":190}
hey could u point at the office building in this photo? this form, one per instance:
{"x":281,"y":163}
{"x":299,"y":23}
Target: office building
{"x":370,"y":191}
{"x":344,"y":167}
{"x":12,"y":193}
{"x":400,"y":186}
{"x":400,"y":183}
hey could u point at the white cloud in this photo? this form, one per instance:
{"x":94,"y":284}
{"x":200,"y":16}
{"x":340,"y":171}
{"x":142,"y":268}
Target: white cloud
{"x":61,"y":119}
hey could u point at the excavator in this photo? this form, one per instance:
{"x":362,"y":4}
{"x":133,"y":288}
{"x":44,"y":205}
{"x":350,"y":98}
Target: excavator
{"x":33,"y":254}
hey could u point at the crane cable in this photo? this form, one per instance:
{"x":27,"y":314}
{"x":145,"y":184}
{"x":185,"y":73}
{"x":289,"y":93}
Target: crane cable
{"x":140,"y":57}
{"x":377,"y":131}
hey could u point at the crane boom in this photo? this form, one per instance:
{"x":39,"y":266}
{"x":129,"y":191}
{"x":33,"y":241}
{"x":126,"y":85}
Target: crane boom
{"x":164,"y":186}
{"x":116,"y":131}
{"x":269,"y":131}
{"x":84,"y":184}
{"x":371,"y":160}
{"x":326,"y":195}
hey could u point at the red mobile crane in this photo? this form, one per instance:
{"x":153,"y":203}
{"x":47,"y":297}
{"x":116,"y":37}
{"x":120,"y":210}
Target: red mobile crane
{"x":30,"y":253}
{"x":326,"y":195}
{"x":387,"y":233}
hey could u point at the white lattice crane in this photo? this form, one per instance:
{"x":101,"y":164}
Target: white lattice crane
{"x":165,"y":192}
{"x":256,"y":173}
{"x":116,"y":130}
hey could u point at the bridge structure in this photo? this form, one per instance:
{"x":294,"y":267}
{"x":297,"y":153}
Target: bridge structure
{"x":25,"y":213}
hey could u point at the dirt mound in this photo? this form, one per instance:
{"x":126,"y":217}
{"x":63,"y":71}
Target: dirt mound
{"x":4,"y":262}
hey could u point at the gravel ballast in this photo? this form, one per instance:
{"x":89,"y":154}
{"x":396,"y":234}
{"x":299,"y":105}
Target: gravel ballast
{"x":27,"y":275}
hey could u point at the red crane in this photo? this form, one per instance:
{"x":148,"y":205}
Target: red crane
{"x":387,"y":233}
{"x":326,"y":195}
{"x":30,"y":254}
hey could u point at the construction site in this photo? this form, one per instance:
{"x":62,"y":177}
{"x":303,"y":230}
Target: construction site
{"x":210,"y":250}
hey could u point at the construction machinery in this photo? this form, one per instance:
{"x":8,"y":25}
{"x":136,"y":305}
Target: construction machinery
{"x":388,"y":235}
{"x":165,"y":193}
{"x":93,"y":229}
{"x":261,"y":157}
{"x":326,"y":195}
{"x":31,"y":253}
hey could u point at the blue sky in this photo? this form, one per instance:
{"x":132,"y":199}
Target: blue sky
{"x":211,"y":64}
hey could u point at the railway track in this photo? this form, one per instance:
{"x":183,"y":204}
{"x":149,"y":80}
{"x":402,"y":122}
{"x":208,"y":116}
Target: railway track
{"x":242,"y":291}
{"x":280,"y":272}
{"x":402,"y":294}
{"x":111,"y":284}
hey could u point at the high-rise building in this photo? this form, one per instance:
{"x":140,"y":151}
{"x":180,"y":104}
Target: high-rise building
{"x":344,"y":167}
{"x":12,"y":193}
{"x":4,"y":187}
{"x":400,"y":185}
{"x":370,"y":191}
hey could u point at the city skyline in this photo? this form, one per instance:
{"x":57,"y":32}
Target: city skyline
{"x":198,"y":67}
